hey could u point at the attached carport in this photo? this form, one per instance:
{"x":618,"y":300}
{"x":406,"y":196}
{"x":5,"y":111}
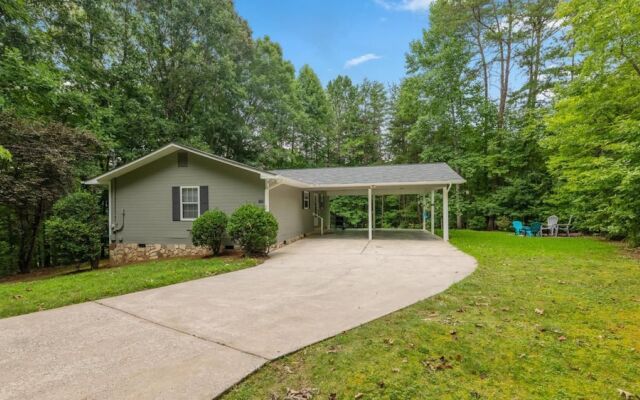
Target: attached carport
{"x":379,"y":180}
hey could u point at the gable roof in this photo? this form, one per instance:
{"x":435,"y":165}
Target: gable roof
{"x":164,"y":151}
{"x":400,"y":174}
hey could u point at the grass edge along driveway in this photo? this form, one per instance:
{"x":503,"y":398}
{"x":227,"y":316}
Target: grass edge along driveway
{"x":18,"y":298}
{"x":552,"y":318}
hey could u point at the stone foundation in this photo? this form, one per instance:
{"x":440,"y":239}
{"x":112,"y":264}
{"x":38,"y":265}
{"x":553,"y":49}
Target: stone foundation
{"x":124,"y":253}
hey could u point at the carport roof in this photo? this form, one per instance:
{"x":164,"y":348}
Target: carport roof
{"x":434,"y":173}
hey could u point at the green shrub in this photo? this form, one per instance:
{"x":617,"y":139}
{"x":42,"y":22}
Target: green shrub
{"x":75,"y":229}
{"x":504,"y":223}
{"x":253,"y":228}
{"x":73,"y":241}
{"x":81,"y":206}
{"x":209,"y":230}
{"x":477,"y":223}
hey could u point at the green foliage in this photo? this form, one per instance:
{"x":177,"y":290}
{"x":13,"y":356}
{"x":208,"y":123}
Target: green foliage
{"x":594,"y":142}
{"x":352,"y":208}
{"x":81,"y":206}
{"x":73,"y":241}
{"x":46,"y":158}
{"x":504,"y":223}
{"x":253,"y":228}
{"x":4,"y":155}
{"x":477,"y":223}
{"x":76,"y":229}
{"x":209,"y":230}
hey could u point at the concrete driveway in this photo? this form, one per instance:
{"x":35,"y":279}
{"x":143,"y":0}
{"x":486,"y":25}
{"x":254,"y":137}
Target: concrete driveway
{"x":196,"y":339}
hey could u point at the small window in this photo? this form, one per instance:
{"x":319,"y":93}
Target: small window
{"x":305,"y":200}
{"x":189,"y":202}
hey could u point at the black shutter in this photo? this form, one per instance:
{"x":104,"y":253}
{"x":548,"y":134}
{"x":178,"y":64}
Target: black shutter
{"x":303,"y":199}
{"x":204,"y":199}
{"x":175,"y":199}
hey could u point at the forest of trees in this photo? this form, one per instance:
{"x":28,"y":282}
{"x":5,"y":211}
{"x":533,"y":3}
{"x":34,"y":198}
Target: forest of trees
{"x":535,"y":102}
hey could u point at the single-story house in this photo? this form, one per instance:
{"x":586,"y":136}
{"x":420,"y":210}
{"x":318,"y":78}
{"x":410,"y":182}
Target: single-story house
{"x":154,"y":199}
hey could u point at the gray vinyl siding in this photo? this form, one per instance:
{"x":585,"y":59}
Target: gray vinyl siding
{"x":285,"y":203}
{"x":145,"y":195}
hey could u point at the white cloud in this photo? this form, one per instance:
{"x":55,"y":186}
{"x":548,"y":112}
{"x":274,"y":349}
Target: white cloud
{"x":361,"y":59}
{"x":405,"y":5}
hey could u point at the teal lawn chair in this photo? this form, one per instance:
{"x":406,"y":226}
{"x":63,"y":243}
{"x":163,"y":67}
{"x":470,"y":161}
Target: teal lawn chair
{"x":518,"y":227}
{"x":535,"y":229}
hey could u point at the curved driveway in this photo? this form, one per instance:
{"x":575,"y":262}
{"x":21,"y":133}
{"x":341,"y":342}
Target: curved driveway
{"x":195,"y":339}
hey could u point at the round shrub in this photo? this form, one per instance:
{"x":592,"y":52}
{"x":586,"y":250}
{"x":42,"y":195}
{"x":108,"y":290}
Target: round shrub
{"x":209,"y":230}
{"x":477,"y":223}
{"x":73,"y":241}
{"x":81,"y":206}
{"x":253,"y":228}
{"x":504,"y":223}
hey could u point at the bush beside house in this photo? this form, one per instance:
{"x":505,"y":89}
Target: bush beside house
{"x":209,"y":230}
{"x":254,"y":229}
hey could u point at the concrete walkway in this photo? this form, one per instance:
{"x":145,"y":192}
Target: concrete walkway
{"x":196,"y":339}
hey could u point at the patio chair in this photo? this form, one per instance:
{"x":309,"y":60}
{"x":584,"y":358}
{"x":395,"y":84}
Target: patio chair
{"x":519,"y":228}
{"x":535,"y":229}
{"x":551,"y":226}
{"x":566,"y":228}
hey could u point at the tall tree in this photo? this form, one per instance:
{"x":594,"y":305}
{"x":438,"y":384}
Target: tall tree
{"x":315,"y":118}
{"x":43,"y":169}
{"x":272,"y":110}
{"x":594,"y":143}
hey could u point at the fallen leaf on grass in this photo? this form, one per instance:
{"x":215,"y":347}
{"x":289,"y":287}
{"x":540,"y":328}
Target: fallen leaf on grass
{"x":332,"y":350}
{"x":389,"y":341}
{"x":539,"y":311}
{"x":562,"y":338}
{"x":438,"y":364}
{"x":359,"y":395}
{"x":302,"y":394}
{"x":17,"y":297}
{"x":288,"y":369}
{"x":396,"y":370}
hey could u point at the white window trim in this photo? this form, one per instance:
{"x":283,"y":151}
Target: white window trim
{"x":182,"y":218}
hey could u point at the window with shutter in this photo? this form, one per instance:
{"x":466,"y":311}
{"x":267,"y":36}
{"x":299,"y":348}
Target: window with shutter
{"x":189,"y":202}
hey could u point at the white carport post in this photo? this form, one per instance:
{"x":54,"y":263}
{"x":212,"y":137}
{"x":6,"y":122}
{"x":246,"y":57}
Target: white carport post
{"x":369,"y":204}
{"x":424,"y":214}
{"x":433,"y":212}
{"x":266,"y":194}
{"x":445,"y":213}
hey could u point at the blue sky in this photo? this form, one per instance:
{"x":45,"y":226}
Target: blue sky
{"x":358,"y":38}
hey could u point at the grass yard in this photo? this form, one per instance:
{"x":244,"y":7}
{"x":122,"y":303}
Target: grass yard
{"x":541,"y":318}
{"x":25,"y":297}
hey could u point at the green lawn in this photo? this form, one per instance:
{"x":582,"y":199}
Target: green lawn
{"x":25,"y":297}
{"x":482,"y":338}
